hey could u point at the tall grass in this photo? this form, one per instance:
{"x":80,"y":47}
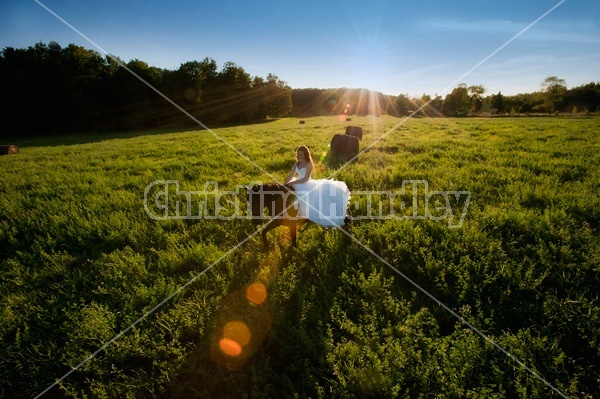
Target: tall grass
{"x":81,"y":260}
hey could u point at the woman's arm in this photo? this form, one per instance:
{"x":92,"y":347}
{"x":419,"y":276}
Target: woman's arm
{"x":291,"y":175}
{"x":306,"y":177}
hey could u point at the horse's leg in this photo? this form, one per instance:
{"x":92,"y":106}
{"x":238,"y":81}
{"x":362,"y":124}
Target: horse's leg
{"x":272,"y":224}
{"x":296,"y":224}
{"x":265,"y":241}
{"x":348,"y":222}
{"x":293,"y":231}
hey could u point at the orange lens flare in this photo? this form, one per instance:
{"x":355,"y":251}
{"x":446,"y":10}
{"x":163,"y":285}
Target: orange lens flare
{"x":256,"y":293}
{"x":230,"y":347}
{"x":237,"y":331}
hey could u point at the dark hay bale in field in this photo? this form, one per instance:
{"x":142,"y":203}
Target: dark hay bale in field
{"x":302,"y":122}
{"x":355,"y":131}
{"x":9,"y":149}
{"x":348,"y":119}
{"x":343,"y":148}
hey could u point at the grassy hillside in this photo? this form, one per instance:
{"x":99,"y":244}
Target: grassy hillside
{"x":81,"y":260}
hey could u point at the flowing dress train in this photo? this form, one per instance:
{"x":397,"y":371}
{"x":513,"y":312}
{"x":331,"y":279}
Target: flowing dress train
{"x":322,"y":201}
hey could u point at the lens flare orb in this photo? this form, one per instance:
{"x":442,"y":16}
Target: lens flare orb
{"x":256,"y":293}
{"x":230,"y":347}
{"x":237,"y":331}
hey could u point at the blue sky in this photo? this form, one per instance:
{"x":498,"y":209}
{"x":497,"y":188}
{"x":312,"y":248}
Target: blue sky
{"x":393,"y":46}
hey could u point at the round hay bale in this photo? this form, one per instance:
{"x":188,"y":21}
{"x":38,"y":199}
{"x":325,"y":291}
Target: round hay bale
{"x":355,"y":131}
{"x":9,"y":149}
{"x":302,"y":122}
{"x":344,"y":147}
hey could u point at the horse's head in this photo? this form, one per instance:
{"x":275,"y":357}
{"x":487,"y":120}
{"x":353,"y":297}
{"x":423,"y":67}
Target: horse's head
{"x":273,"y":196}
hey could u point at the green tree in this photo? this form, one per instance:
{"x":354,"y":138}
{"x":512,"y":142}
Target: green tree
{"x":234,"y":104}
{"x":435,"y":106}
{"x":403,"y":105}
{"x":554,"y":88}
{"x":584,"y":97}
{"x":208,"y":77}
{"x":497,"y":103}
{"x":458,"y":102}
{"x":190,"y":81}
{"x":423,"y":104}
{"x":134,"y":104}
{"x":278,"y":97}
{"x":476,"y":92}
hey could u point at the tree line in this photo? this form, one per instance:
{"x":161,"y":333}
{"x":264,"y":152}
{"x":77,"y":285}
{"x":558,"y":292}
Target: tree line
{"x":553,"y":98}
{"x":49,"y":89}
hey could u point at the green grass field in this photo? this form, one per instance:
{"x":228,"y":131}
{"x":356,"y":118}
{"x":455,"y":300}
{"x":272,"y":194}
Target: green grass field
{"x":81,"y":260}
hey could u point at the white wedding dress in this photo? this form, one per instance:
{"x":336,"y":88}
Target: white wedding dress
{"x":321,"y":201}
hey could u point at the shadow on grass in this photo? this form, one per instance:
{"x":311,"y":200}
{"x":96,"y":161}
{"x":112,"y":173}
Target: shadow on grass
{"x":290,"y":357}
{"x":67,"y":139}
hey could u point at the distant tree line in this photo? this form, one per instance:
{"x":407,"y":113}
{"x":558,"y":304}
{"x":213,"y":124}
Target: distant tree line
{"x":320,"y":102}
{"x":553,"y":98}
{"x":49,"y":89}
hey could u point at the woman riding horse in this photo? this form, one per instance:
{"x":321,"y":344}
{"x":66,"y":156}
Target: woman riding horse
{"x":321,"y":201}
